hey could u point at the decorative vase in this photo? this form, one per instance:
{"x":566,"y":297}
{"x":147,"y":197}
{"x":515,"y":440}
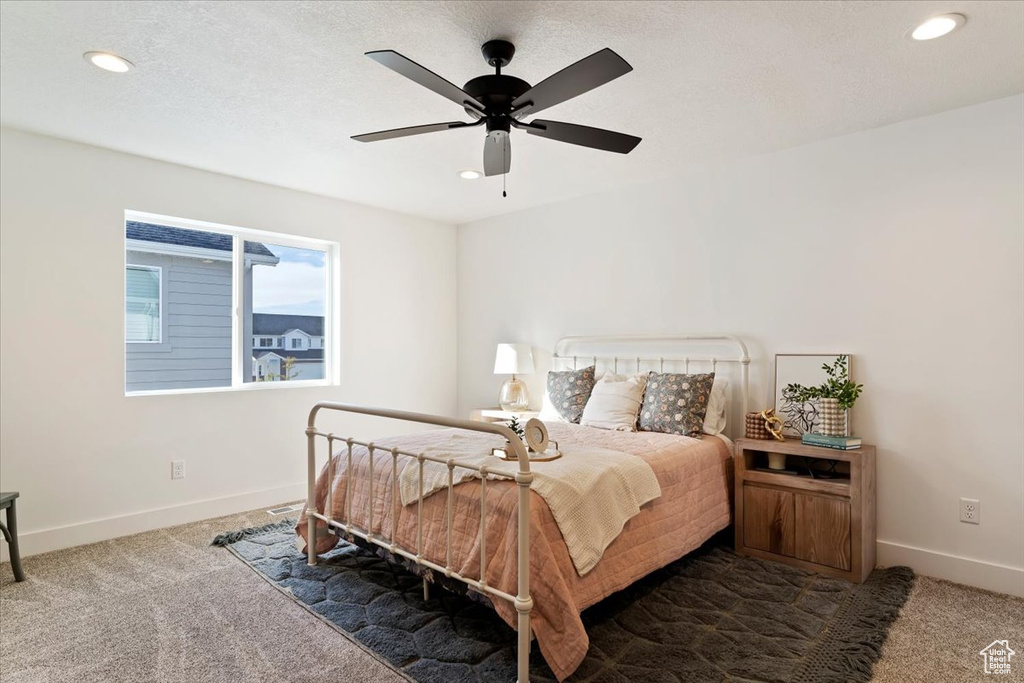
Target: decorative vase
{"x":754,"y":426}
{"x":832,"y":417}
{"x":776,"y":461}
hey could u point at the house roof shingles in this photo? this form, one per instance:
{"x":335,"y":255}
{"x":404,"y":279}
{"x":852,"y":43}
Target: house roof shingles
{"x":300,"y":356}
{"x":278,"y":324}
{"x":150,"y":232}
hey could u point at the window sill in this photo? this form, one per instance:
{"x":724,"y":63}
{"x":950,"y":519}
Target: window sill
{"x":248,"y":386}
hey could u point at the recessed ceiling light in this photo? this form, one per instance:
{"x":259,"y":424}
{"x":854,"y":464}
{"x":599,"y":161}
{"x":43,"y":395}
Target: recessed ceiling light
{"x":936,"y":27}
{"x":469,"y":175}
{"x":108,"y":61}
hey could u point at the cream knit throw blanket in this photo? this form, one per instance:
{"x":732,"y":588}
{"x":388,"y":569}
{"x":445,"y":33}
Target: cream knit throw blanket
{"x":591,"y":492}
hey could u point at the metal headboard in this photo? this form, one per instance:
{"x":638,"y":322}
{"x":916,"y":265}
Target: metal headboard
{"x":733,"y":351}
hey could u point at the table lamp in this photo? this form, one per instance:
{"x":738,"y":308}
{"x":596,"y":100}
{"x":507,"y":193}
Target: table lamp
{"x":513,"y":359}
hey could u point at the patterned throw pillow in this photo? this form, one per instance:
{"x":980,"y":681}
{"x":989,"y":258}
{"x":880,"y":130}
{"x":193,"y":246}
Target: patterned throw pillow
{"x":676,"y":404}
{"x":570,"y":390}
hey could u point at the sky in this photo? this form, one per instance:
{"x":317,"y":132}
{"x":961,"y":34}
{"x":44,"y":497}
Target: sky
{"x":296,"y":285}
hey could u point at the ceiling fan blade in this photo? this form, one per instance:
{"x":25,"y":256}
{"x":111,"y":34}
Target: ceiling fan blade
{"x":598,"y":138}
{"x":575,"y":79}
{"x":497,"y":153}
{"x":425,"y":77}
{"x":413,"y":130}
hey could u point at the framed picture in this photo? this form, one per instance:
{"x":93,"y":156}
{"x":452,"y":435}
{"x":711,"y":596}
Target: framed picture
{"x":803,"y":369}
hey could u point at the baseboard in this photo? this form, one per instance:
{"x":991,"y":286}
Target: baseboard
{"x":93,"y":531}
{"x":968,"y":571}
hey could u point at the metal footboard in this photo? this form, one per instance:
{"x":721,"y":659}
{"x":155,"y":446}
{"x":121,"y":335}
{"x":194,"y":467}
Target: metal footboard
{"x":522,"y":601}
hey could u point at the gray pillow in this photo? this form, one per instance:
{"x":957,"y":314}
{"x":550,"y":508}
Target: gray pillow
{"x":676,"y":404}
{"x":570,"y":390}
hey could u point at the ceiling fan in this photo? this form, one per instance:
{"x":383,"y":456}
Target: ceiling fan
{"x":500,"y":102}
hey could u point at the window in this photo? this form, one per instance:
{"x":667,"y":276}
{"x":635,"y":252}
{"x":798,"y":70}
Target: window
{"x":142,"y":322}
{"x":205,"y":303}
{"x":290,"y":300}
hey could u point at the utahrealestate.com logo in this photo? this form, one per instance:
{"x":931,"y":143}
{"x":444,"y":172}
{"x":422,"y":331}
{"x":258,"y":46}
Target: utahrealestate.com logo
{"x":997,"y":657}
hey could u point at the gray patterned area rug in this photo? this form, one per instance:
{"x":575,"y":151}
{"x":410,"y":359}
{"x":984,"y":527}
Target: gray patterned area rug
{"x":710,"y":616}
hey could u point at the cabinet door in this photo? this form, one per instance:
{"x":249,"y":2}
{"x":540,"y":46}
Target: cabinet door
{"x":823,"y":530}
{"x":768,"y":520}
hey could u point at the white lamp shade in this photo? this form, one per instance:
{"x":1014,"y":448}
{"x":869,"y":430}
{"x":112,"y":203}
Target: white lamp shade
{"x":513,"y":359}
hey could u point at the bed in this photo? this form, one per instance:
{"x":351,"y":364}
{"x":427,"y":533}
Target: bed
{"x":503,"y":525}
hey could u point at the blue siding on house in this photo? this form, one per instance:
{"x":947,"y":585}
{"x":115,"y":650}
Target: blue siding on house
{"x":196,"y":348}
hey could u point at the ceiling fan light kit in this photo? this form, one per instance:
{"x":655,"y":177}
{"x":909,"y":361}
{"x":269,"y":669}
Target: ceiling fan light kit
{"x":500,"y":102}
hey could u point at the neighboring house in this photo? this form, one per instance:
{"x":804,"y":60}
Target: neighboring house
{"x":278,"y":337}
{"x":178,"y":306}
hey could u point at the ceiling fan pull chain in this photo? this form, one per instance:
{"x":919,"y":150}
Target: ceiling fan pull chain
{"x":504,"y":176}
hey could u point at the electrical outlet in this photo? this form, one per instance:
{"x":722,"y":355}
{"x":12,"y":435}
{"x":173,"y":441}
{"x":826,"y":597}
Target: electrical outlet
{"x":177,"y":469}
{"x":970,"y":511}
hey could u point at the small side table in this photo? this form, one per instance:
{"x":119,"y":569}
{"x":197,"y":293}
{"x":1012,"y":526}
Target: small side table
{"x":824,"y":524}
{"x":10,"y":532}
{"x":499,"y":415}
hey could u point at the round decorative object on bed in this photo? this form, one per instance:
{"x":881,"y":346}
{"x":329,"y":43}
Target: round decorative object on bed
{"x":536,"y":435}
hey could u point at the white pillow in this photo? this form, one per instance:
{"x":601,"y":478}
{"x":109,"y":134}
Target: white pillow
{"x":714,"y":417}
{"x":615,"y":402}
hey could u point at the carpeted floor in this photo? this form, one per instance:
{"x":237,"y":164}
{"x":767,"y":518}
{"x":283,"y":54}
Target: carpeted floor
{"x":711,"y":617}
{"x":165,"y":606}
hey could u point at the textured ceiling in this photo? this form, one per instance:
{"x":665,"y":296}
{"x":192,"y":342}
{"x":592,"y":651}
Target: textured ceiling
{"x":272,"y":90}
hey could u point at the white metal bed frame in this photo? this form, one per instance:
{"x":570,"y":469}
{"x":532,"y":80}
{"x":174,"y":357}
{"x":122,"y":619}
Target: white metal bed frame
{"x":522,"y":601}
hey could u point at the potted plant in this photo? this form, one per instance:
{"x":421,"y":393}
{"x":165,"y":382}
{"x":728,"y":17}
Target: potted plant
{"x":835,"y":397}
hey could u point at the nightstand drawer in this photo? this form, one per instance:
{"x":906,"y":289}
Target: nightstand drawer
{"x":769,"y":520}
{"x":823,"y":531}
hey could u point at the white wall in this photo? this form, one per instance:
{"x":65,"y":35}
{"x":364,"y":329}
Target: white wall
{"x":91,"y":463}
{"x":902,"y":245}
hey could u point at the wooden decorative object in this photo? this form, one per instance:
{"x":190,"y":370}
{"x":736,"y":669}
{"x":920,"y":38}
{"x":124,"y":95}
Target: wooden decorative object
{"x":535,"y":456}
{"x":755,"y":428}
{"x":825,"y":525}
{"x":763,"y":425}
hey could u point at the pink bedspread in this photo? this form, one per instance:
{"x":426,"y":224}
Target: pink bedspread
{"x":695,"y":478}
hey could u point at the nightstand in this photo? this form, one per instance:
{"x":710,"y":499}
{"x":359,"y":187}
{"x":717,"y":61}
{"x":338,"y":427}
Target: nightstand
{"x":499,"y":415}
{"x":823,"y":522}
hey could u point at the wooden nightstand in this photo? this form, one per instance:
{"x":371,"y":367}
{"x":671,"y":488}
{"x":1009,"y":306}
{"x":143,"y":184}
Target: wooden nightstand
{"x":825,"y":525}
{"x":499,"y":415}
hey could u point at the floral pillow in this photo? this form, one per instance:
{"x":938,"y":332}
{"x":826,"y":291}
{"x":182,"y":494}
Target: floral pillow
{"x":570,"y":390}
{"x":676,"y":404}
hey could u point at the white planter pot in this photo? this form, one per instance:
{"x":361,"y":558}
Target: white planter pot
{"x":832,"y":418}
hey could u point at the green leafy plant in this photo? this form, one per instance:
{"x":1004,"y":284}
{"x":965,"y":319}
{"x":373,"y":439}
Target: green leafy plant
{"x":516,"y":428}
{"x":288,"y":369}
{"x":837,"y":385}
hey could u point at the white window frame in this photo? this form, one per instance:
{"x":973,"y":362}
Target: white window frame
{"x":159,"y":302}
{"x":239,"y":365}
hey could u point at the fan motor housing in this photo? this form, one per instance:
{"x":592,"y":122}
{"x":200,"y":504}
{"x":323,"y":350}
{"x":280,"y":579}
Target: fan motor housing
{"x":498,"y":53}
{"x":496,"y":91}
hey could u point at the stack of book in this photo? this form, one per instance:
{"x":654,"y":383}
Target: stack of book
{"x":840,"y":443}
